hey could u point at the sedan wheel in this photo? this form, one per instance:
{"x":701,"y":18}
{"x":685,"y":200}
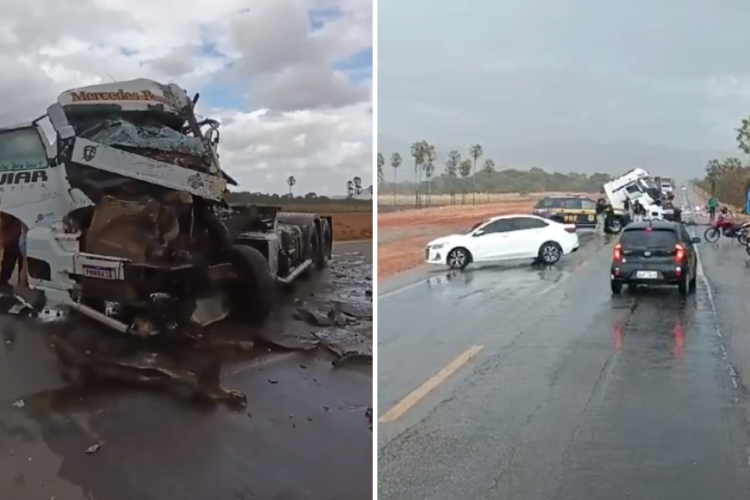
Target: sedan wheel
{"x":458,"y":258}
{"x":550,"y":253}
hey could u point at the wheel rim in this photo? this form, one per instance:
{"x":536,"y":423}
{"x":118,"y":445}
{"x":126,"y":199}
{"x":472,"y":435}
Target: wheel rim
{"x":712,"y":234}
{"x":550,"y":253}
{"x":456,"y":259}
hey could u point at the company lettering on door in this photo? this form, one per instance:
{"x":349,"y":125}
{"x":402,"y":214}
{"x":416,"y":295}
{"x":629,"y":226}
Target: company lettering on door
{"x":28,"y":179}
{"x":16,"y":166}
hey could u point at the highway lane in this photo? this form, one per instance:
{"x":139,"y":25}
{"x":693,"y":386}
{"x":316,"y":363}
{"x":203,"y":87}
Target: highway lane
{"x":569,"y":393}
{"x":304,"y":434}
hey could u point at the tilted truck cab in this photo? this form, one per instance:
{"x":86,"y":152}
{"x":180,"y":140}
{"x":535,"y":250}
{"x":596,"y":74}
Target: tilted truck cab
{"x":128,"y":206}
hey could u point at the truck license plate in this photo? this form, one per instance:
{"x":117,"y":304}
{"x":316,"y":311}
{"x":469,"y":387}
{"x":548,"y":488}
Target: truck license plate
{"x":647,"y":275}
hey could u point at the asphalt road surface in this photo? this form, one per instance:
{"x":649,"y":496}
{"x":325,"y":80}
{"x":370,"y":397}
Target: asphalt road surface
{"x":508,"y":382}
{"x":304,"y":434}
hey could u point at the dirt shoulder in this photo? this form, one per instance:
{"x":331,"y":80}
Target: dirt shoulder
{"x":402,"y":235}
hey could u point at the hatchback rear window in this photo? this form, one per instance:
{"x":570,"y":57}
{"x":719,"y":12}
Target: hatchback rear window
{"x":649,"y":238}
{"x":549,"y":203}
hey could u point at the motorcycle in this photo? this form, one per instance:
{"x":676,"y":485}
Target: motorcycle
{"x":725,"y":226}
{"x":743,"y":234}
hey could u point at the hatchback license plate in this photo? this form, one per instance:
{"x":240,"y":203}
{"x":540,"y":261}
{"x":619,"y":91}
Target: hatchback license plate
{"x":647,"y":275}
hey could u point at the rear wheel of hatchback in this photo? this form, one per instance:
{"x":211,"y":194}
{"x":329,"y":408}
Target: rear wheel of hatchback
{"x":616,"y":287}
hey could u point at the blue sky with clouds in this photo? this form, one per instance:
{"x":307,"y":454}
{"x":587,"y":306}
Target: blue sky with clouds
{"x":290,"y":81}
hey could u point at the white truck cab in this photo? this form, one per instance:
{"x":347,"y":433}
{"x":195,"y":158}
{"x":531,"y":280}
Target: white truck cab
{"x":635,"y":185}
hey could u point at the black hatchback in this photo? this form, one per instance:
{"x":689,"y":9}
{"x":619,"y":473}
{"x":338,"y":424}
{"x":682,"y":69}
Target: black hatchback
{"x":655,"y":253}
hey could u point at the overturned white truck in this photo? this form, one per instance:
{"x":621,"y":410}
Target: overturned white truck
{"x":128,"y":207}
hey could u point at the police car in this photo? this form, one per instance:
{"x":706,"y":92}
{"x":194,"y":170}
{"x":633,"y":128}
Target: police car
{"x":577,"y":210}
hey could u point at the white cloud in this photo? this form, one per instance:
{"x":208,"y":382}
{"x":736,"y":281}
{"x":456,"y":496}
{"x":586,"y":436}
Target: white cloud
{"x":261,"y":67}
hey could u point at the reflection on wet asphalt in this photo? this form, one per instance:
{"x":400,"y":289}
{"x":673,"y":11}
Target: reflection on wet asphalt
{"x":304,"y":434}
{"x":575,"y":394}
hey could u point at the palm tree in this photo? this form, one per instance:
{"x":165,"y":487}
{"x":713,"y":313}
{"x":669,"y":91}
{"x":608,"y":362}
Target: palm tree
{"x":395,"y":163}
{"x":417,"y":151}
{"x":430,"y":155}
{"x":381,"y":162}
{"x":357,"y":185}
{"x":488,"y":168}
{"x":291,"y":181}
{"x":475,"y":151}
{"x":349,"y":189}
{"x":451,"y":168}
{"x":465,"y":170}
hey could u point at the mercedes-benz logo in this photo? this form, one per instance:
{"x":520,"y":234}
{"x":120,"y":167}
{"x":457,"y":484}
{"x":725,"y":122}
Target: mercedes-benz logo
{"x":89,"y":152}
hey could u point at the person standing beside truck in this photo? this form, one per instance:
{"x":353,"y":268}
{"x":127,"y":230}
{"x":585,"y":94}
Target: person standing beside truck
{"x":639,"y":211}
{"x":712,"y":204}
{"x":11,"y":230}
{"x":600,"y":216}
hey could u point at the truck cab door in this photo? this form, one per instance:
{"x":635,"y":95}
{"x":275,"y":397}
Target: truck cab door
{"x":29,"y":186}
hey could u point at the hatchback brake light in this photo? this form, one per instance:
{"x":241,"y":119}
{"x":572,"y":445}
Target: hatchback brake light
{"x":570,"y":229}
{"x":617,"y":256}
{"x":679,"y":253}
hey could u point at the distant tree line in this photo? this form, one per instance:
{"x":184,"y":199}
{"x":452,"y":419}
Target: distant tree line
{"x":466,"y":177}
{"x":287,"y":199}
{"x":729,"y":179}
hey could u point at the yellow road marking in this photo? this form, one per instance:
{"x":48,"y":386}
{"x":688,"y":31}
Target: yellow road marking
{"x":400,"y":408}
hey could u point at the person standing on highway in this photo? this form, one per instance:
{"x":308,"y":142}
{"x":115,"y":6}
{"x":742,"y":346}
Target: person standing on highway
{"x":11,"y":229}
{"x":600,"y":215}
{"x":712,"y":204}
{"x":639,"y":211}
{"x":628,"y":208}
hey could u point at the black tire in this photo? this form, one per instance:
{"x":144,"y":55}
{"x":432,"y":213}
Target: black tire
{"x":312,"y":251}
{"x":684,"y":286}
{"x":693,"y":284}
{"x":616,"y":287}
{"x":255,"y":293}
{"x":458,"y":258}
{"x":550,"y":253}
{"x":712,"y":235}
{"x":325,"y":243}
{"x":614,"y":225}
{"x":742,"y":236}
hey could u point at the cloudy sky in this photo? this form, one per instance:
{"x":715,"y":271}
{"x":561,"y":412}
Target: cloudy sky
{"x":578,"y":85}
{"x":289,"y":79}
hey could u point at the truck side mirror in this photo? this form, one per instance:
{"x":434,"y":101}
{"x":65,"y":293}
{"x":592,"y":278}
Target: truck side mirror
{"x":59,"y":120}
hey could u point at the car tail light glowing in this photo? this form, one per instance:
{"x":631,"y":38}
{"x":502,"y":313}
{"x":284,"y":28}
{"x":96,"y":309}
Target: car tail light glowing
{"x":617,"y":256}
{"x":679,"y":253}
{"x":570,"y":229}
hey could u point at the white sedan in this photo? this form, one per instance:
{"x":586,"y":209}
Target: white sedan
{"x":507,"y":237}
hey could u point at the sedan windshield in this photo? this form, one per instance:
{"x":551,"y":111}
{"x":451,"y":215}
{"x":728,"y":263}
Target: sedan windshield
{"x":475,"y":226}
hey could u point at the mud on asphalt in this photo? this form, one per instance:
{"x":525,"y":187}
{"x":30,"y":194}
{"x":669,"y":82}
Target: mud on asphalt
{"x":306,"y":376}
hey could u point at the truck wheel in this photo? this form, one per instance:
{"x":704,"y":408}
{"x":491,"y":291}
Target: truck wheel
{"x":254,"y":294}
{"x":313,"y":252}
{"x":614,"y":225}
{"x":325,"y":242}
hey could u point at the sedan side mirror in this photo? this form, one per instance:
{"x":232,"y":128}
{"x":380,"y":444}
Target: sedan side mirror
{"x":695,"y":239}
{"x":478,"y":232}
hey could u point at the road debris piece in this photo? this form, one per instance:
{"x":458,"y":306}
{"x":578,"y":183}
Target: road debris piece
{"x":147,"y":369}
{"x":93,"y":448}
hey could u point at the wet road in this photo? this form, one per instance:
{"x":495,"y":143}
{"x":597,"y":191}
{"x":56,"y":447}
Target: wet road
{"x":304,"y":434}
{"x":508,"y":383}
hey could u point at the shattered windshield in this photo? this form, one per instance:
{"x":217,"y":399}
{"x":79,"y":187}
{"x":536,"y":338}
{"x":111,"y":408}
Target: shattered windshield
{"x":153,"y":135}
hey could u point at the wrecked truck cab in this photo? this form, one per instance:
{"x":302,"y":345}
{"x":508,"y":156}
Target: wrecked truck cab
{"x":134,"y":212}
